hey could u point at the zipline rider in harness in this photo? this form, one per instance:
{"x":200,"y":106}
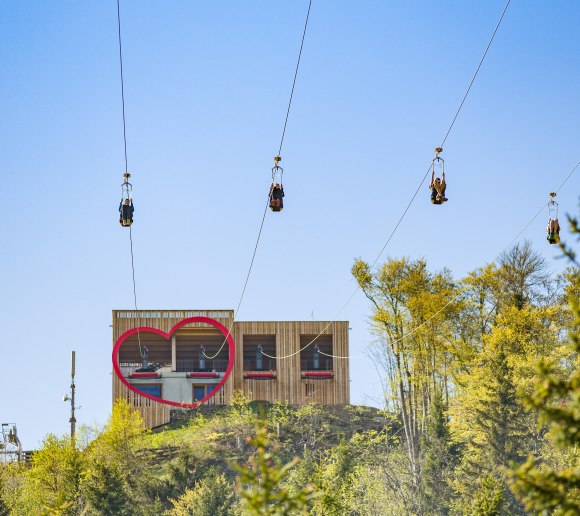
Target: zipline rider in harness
{"x":553,"y":228}
{"x":438,"y":185}
{"x":126,"y":210}
{"x":126,"y":207}
{"x":276,"y":189}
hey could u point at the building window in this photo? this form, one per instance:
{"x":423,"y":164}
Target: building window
{"x":256,"y":349}
{"x":201,"y":391}
{"x":200,"y":350}
{"x":316,"y":353}
{"x":150,"y":389}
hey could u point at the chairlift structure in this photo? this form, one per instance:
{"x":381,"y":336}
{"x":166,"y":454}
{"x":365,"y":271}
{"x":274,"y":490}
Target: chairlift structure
{"x":10,"y":447}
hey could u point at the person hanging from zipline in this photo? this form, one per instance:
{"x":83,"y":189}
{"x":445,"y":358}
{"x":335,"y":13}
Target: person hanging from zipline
{"x":438,"y":185}
{"x":126,"y":207}
{"x":553,"y":228}
{"x":126,"y":210}
{"x":276,"y":195}
{"x":276,"y":189}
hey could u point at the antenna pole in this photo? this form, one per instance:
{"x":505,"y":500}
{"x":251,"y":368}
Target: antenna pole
{"x":72,"y":419}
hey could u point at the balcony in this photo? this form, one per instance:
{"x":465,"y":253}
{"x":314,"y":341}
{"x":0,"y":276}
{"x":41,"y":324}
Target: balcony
{"x":315,"y":361}
{"x":310,"y":364}
{"x":257,"y":365}
{"x":191,"y":366}
{"x":266,"y":364}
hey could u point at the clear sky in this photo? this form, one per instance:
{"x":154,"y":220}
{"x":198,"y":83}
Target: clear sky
{"x":207,"y":85}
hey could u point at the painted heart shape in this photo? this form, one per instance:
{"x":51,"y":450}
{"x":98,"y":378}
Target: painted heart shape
{"x":167,"y":336}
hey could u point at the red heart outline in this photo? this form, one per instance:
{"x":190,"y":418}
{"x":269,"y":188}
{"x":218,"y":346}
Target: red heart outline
{"x":146,"y":329}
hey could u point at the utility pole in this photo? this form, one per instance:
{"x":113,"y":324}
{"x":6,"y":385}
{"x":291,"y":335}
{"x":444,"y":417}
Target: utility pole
{"x":72,"y":419}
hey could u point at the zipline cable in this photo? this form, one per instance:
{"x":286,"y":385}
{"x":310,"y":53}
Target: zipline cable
{"x":244,"y":289}
{"x":295,"y":77}
{"x":414,"y":330}
{"x":127,"y":170}
{"x":475,"y":74}
{"x":267,"y":204}
{"x":122,"y":83}
{"x":412,"y":198}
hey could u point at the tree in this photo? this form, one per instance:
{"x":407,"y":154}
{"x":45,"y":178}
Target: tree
{"x":365,"y":474}
{"x":438,"y":461}
{"x":557,"y":401}
{"x":489,"y":420}
{"x":484,"y":291}
{"x":115,"y":473}
{"x":260,"y":482}
{"x":416,"y":313}
{"x":116,"y":445}
{"x":523,"y":274}
{"x":105,"y":489}
{"x":490,"y":498}
{"x":211,"y":496}
{"x":52,"y":484}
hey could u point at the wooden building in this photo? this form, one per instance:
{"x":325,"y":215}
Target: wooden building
{"x":184,"y":366}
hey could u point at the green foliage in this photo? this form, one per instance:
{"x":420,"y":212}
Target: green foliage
{"x":121,"y":435}
{"x":490,"y":422}
{"x":53,"y":481}
{"x":557,"y":401}
{"x":106,"y":491}
{"x":438,"y":461}
{"x":211,"y":496}
{"x":490,"y":498}
{"x":114,"y":474}
{"x":240,"y":403}
{"x":260,"y":482}
{"x":499,"y":416}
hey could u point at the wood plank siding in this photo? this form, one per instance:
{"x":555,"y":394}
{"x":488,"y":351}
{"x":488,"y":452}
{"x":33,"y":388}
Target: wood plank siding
{"x":281,"y":338}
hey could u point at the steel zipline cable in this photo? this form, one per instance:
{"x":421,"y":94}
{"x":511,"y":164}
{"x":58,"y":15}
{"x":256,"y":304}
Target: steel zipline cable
{"x":475,"y":74}
{"x":295,"y":77}
{"x":267,"y":203}
{"x":127,"y":170}
{"x":412,"y":198}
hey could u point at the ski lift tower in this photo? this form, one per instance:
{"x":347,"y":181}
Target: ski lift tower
{"x":10,"y":447}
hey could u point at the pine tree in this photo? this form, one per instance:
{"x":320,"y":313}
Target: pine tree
{"x":493,"y":432}
{"x":211,"y":496}
{"x":105,"y":490}
{"x":438,"y":460}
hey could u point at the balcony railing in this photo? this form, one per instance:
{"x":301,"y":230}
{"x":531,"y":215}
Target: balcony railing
{"x":324,"y":364}
{"x":190,"y":366}
{"x":182,"y":366}
{"x":130,"y":367}
{"x":268,"y":364}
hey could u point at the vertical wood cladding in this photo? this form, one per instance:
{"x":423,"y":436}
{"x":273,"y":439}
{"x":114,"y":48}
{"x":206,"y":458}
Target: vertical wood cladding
{"x":288,"y":385}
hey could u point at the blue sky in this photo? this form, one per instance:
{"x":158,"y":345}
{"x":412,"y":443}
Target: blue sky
{"x":207,"y":86}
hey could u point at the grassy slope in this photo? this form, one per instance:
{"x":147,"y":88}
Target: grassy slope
{"x":185,"y":450}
